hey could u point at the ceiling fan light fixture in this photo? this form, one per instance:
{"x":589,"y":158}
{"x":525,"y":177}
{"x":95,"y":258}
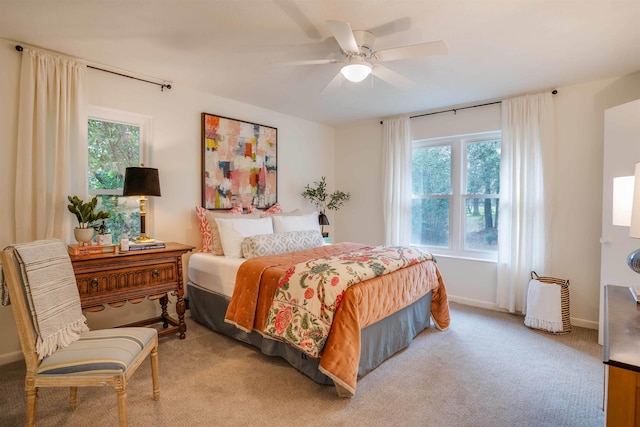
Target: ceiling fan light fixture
{"x":356,"y":70}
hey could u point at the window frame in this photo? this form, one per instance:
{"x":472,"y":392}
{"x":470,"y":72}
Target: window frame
{"x":458,"y":196}
{"x":143,"y":122}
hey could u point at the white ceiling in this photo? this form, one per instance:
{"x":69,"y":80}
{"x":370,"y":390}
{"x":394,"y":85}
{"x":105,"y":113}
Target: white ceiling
{"x":230,"y":47}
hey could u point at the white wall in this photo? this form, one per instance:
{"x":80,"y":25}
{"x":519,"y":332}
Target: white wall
{"x":577,"y":217}
{"x":305,"y":153}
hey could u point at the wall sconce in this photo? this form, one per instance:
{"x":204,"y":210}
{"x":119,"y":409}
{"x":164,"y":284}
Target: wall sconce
{"x":143,"y":182}
{"x":622,"y":200}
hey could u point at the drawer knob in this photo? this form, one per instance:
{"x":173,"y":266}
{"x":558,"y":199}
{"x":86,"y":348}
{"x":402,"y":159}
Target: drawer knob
{"x":94,"y":283}
{"x":155,"y":273}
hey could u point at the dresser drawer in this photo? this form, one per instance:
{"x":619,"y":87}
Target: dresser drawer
{"x":127,"y":280}
{"x":134,"y":276}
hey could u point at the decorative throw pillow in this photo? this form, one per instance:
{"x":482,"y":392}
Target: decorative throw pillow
{"x":209,"y":228}
{"x":279,"y":243}
{"x":284,"y":223}
{"x":293,"y":212}
{"x":205,"y":229}
{"x":234,"y":230}
{"x":216,"y":244}
{"x":273,"y":209}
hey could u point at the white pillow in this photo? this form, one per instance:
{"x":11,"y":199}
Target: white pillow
{"x":282,"y":223}
{"x":233,"y":231}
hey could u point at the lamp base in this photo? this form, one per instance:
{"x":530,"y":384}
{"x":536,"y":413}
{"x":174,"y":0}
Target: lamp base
{"x":633,"y":261}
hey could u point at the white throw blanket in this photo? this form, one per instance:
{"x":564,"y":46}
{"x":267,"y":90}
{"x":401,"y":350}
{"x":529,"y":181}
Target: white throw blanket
{"x":52,"y":294}
{"x":544,"y":306}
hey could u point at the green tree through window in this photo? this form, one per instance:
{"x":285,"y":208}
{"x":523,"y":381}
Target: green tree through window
{"x":112,"y":147}
{"x":455,"y":194}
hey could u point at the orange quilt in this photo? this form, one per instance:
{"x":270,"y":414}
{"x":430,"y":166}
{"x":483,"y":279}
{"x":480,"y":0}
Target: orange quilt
{"x":363,"y":304}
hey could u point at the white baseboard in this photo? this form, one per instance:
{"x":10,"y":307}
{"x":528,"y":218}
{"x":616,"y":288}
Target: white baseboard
{"x":473,"y":302}
{"x":11,"y":357}
{"x":583,"y":323}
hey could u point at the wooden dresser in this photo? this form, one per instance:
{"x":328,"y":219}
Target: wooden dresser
{"x":622,"y":357}
{"x":133,"y":276}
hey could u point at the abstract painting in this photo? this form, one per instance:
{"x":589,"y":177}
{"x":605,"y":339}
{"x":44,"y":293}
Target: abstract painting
{"x":239,"y":163}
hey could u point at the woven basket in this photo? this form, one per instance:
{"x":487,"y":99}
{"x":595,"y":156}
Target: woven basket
{"x":564,"y":301}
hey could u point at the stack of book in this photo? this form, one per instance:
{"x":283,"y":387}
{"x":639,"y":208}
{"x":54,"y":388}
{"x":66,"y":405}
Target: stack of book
{"x":75,"y":249}
{"x":133,"y":246}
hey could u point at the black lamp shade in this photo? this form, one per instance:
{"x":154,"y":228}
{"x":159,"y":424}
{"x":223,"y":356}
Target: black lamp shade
{"x":322,"y":219}
{"x":140,"y":181}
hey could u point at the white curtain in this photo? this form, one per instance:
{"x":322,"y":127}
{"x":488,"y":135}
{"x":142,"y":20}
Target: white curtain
{"x":51,"y":146}
{"x":526,"y":195}
{"x":396,"y":175}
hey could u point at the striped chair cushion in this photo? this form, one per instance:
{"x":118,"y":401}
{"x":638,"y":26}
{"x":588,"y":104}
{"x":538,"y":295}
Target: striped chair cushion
{"x":100,"y":352}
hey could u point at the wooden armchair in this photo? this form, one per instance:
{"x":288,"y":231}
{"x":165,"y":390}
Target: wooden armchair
{"x":96,"y":358}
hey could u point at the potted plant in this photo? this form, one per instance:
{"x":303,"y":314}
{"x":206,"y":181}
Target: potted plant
{"x":86,"y":215}
{"x":318,"y":196}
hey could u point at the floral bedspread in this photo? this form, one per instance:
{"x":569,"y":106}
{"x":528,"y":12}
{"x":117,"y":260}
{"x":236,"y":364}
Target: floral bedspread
{"x":309,"y":293}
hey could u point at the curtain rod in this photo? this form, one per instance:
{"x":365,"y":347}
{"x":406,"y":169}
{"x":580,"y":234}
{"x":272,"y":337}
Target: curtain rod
{"x":162,"y":85}
{"x":455,"y":110}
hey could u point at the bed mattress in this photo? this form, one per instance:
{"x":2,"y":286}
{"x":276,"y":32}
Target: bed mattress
{"x":213,"y":272}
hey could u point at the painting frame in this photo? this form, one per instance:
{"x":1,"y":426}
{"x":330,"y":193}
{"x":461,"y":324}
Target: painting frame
{"x":239,"y":163}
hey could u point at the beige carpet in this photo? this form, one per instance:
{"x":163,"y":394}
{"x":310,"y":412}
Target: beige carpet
{"x":488,"y":369}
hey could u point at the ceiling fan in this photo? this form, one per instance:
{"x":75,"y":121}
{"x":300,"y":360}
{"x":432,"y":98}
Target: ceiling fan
{"x":360,"y":56}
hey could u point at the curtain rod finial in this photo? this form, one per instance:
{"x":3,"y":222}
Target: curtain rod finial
{"x":554,"y":92}
{"x":19,"y":48}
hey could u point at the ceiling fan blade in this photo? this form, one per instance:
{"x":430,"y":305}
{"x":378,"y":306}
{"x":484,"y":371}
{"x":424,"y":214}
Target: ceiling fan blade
{"x":414,"y":51}
{"x":333,"y":84}
{"x":395,"y":79}
{"x":309,"y":62}
{"x":391,"y":27}
{"x":344,"y":36}
{"x":294,"y":12}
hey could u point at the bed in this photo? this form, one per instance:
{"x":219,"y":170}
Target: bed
{"x":376,"y":318}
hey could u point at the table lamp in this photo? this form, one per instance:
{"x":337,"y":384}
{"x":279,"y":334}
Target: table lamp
{"x":143,"y":182}
{"x":323,"y":220}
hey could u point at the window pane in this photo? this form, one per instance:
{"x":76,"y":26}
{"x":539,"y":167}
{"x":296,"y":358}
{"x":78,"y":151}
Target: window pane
{"x":483,"y":167}
{"x":112,"y":148}
{"x":430,"y":222}
{"x":125,"y":215}
{"x":481,"y":224}
{"x":431,"y":170}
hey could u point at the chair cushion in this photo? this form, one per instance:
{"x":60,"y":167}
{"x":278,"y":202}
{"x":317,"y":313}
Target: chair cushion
{"x":99,"y":352}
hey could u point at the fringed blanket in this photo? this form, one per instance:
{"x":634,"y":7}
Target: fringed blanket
{"x":362,"y":304}
{"x":310,"y":292}
{"x":52,"y":293}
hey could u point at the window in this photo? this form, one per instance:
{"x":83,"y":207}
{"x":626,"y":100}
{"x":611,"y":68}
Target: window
{"x":116,"y":140}
{"x":455,"y":194}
